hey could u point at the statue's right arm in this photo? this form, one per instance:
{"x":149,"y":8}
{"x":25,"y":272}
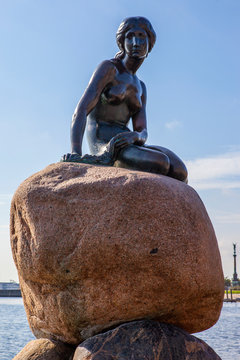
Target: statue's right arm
{"x":103,"y":75}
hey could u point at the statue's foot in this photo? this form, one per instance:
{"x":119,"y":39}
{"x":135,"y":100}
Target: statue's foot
{"x":71,"y":158}
{"x":104,"y":159}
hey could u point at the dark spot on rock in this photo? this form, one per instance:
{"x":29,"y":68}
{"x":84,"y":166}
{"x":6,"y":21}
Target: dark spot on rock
{"x":154,"y":251}
{"x":67,"y":271}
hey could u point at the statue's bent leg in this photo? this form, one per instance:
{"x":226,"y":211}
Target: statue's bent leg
{"x":143,"y":159}
{"x":177,"y":169}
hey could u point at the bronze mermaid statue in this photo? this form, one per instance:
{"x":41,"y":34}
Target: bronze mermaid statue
{"x":113,"y":97}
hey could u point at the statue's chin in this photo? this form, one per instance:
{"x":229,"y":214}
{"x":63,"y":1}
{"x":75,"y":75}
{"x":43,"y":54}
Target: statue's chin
{"x":137,"y":56}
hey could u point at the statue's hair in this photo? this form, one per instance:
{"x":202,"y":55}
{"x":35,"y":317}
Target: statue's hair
{"x":129,"y":23}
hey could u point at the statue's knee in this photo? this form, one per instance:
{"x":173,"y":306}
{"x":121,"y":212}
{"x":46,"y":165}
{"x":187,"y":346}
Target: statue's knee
{"x":183,"y":175}
{"x":163,"y":164}
{"x":180,"y":173}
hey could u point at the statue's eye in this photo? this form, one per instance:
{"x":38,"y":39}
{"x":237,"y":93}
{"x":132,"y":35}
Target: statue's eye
{"x":129,"y":35}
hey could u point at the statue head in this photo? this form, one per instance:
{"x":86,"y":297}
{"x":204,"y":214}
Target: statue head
{"x":130,"y":23}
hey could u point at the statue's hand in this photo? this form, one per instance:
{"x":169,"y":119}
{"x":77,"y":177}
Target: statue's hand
{"x":124,"y":139}
{"x":71,"y":157}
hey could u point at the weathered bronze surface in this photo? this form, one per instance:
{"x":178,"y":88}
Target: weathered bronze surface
{"x":113,"y":97}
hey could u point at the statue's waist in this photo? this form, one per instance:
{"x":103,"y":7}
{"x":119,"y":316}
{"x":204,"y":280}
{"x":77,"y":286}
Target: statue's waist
{"x":103,"y":131}
{"x":112,"y":123}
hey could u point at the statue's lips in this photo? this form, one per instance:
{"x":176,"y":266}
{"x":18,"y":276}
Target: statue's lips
{"x":136,"y":51}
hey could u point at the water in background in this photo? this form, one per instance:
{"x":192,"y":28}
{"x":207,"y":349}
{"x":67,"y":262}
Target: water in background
{"x":14,"y":329}
{"x":224,"y":337}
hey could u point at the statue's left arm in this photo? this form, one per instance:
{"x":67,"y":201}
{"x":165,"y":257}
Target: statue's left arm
{"x":140,"y":120}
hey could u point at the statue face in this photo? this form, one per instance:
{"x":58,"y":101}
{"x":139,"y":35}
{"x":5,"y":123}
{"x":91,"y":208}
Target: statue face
{"x":136,"y":42}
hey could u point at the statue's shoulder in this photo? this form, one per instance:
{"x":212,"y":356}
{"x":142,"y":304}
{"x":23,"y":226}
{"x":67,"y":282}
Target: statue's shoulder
{"x":105,"y":71}
{"x":106,"y":67}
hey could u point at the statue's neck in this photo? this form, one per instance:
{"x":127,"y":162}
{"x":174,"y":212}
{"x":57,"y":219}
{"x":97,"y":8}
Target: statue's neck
{"x":132,"y":64}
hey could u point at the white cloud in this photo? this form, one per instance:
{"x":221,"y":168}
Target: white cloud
{"x":171,"y":125}
{"x":227,"y":218}
{"x":233,"y":148}
{"x":211,"y":185}
{"x":215,"y":172}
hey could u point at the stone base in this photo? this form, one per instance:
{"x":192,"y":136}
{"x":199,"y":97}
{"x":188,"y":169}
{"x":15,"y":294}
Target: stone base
{"x":96,"y":247}
{"x":138,"y":340}
{"x":145,"y":340}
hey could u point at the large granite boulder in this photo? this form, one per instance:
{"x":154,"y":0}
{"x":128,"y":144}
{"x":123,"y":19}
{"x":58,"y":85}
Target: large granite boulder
{"x":99,"y":246}
{"x":145,"y":340}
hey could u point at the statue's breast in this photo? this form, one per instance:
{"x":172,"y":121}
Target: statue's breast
{"x":133,"y":97}
{"x":114,"y":95}
{"x":126,"y":89}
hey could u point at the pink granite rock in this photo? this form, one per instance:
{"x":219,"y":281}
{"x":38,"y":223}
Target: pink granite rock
{"x":99,"y":246}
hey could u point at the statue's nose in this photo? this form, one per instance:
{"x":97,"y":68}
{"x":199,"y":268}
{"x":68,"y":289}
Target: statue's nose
{"x":135,"y":41}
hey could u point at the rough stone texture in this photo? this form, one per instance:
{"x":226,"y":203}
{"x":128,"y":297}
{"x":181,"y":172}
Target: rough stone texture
{"x":44,"y":349}
{"x":145,"y":340}
{"x":99,"y":246}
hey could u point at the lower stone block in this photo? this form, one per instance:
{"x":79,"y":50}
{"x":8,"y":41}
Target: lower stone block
{"x":145,"y":340}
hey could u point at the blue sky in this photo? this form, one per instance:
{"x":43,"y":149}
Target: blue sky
{"x":49,"y":50}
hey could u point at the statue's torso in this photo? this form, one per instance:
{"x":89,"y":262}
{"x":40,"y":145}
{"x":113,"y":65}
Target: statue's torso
{"x":118,"y":102}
